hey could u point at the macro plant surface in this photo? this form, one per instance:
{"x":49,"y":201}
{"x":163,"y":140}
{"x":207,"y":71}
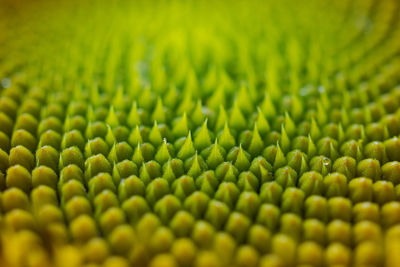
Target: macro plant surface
{"x":200,"y":133}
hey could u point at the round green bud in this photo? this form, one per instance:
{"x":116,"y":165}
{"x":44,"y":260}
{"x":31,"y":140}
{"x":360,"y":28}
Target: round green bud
{"x":102,"y":181}
{"x":166,"y":207}
{"x":156,"y":189}
{"x":71,"y":155}
{"x":49,"y":214}
{"x":271,"y":193}
{"x":225,"y":247}
{"x":316,"y":207}
{"x":83,"y":228}
{"x":337,"y":254}
{"x":246,"y":256}
{"x":19,"y":155}
{"x":27,"y":122}
{"x":286,"y":177}
{"x":55,"y":110}
{"x":354,"y":131}
{"x":217,"y":213}
{"x":207,"y":183}
{"x":352,"y":149}
{"x":237,"y":225}
{"x":248,"y":204}
{"x":148,"y":151}
{"x":360,"y":189}
{"x":50,"y":138}
{"x":30,"y":106}
{"x":383,"y":191}
{"x":328,"y":147}
{"x":196,"y":204}
{"x":207,"y":258}
{"x":310,"y":253}
{"x":146,"y":226}
{"x":150,"y":170}
{"x":366,"y":211}
{"x":183,"y":187}
{"x":184,"y":251}
{"x":291,"y":226}
{"x":110,"y":219}
{"x":77,"y":206}
{"x":340,"y":208}
{"x":95,"y":165}
{"x":292,"y":200}
{"x":121,"y":133}
{"x":366,"y":231}
{"x":272,"y":137}
{"x":19,"y":177}
{"x":239,"y":157}
{"x":339,"y":231}
{"x":268,"y":216}
{"x":227,"y":193}
{"x":346,"y":166}
{"x":57,"y":234}
{"x":391,"y":172}
{"x":203,"y":234}
{"x":161,"y":240}
{"x":120,"y":151}
{"x":271,"y":260}
{"x":135,"y":207}
{"x":285,"y":248}
{"x":227,"y":172}
{"x":176,"y":166}
{"x":368,"y":253}
{"x":392,"y":147}
{"x":96,"y":146}
{"x":71,"y":172}
{"x":260,"y":238}
{"x":17,"y":220}
{"x":8,"y":106}
{"x":130,"y":186}
{"x":77,"y":123}
{"x":96,"y":129}
{"x":96,"y":250}
{"x":50,"y":123}
{"x":375,"y":132}
{"x":14,"y":198}
{"x":390,"y":214}
{"x":124,"y":169}
{"x":73,"y":138}
{"x":47,"y":156}
{"x":334,"y":184}
{"x":77,"y":107}
{"x":104,"y":200}
{"x":70,"y":189}
{"x":376,"y":150}
{"x":391,"y":121}
{"x":369,"y":168}
{"x":43,"y":195}
{"x":261,"y":168}
{"x":314,"y":230}
{"x":182,"y":223}
{"x":311,"y":183}
{"x":248,"y":182}
{"x":269,"y":153}
{"x":321,"y":164}
{"x":300,"y":143}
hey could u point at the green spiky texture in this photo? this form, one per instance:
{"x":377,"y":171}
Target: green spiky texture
{"x":200,"y":133}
